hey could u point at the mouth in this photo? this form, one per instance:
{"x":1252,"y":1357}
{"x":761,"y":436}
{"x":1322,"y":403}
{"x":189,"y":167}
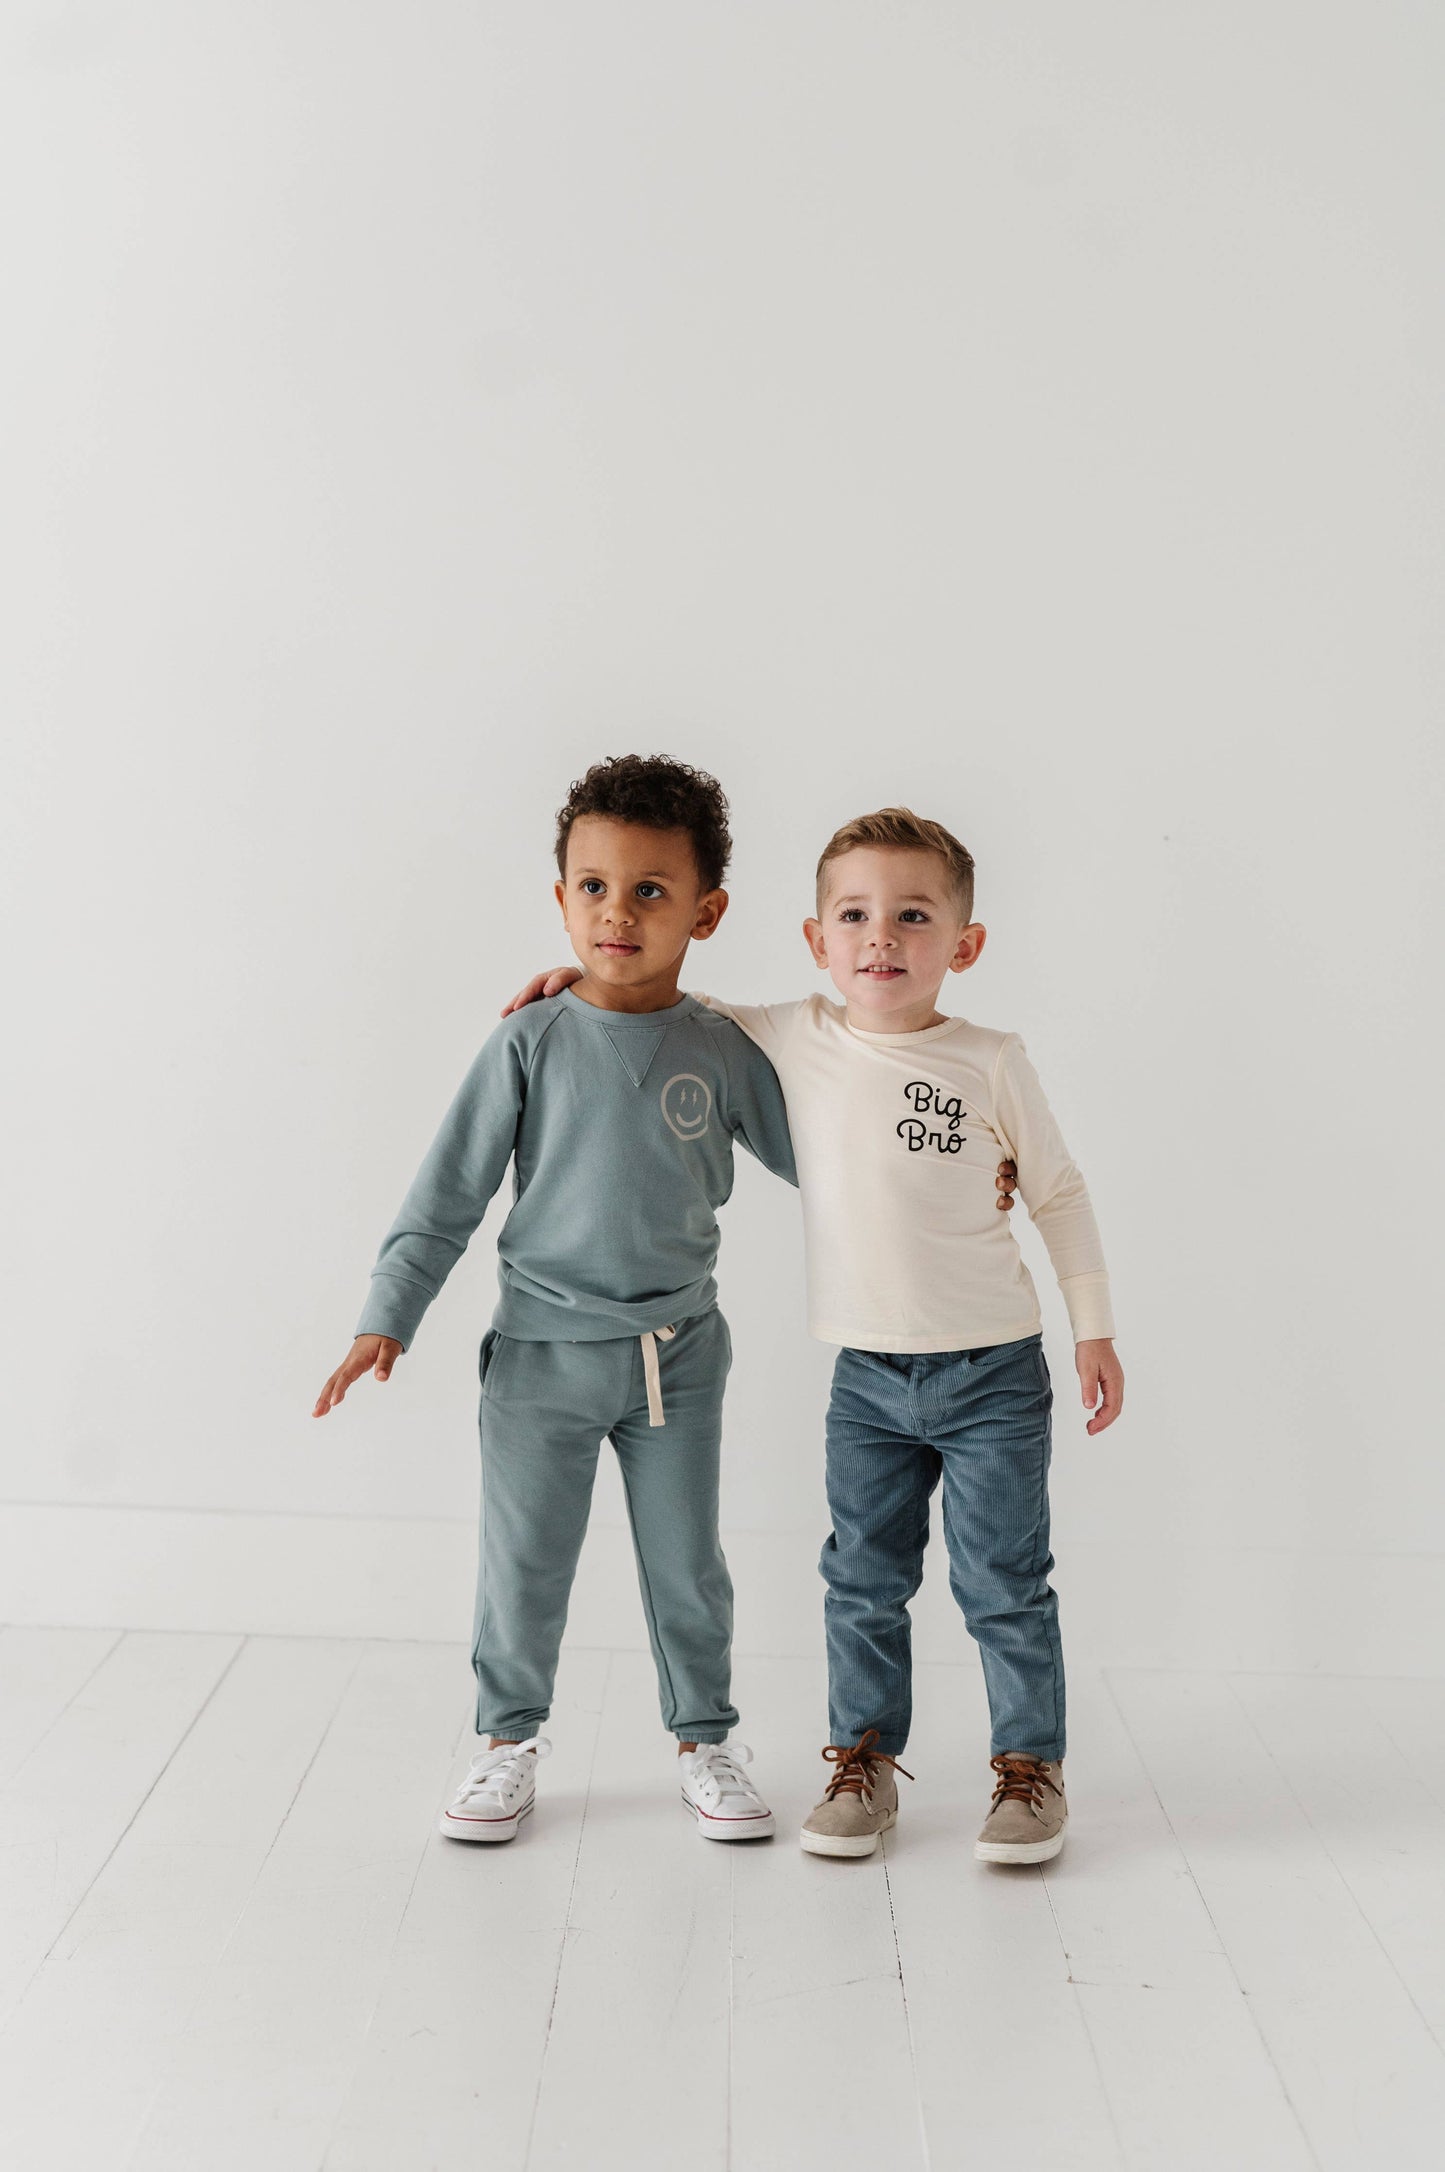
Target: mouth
{"x":882,"y":972}
{"x":619,"y":950}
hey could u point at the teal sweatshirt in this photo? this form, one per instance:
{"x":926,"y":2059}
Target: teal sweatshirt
{"x":622,"y":1128}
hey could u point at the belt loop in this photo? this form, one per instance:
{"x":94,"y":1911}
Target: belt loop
{"x":650,"y":1373}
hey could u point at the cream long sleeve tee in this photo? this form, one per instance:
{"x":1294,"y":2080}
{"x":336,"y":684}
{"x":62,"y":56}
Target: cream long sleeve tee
{"x":898,"y":1138}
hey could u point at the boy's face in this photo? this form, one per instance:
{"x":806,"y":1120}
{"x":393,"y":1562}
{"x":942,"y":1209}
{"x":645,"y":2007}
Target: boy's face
{"x":632,"y":902}
{"x":889,"y":930}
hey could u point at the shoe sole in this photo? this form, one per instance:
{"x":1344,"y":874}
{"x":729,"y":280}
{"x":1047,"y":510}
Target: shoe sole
{"x":761,"y":1828}
{"x":853,"y":1844}
{"x":490,"y":1830}
{"x":1030,"y":1851}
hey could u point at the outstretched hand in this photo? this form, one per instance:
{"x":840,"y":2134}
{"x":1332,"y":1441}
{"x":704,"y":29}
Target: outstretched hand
{"x":368,"y":1353}
{"x":1101,"y":1377}
{"x":543,"y":984}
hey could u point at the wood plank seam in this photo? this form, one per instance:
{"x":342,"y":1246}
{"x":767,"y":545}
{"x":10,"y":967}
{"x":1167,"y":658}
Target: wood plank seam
{"x":101,"y":1867}
{"x":566,"y":1924}
{"x":78,"y":1691}
{"x":1105,"y":1677}
{"x":1325,"y":1850}
{"x":225,"y":1946}
{"x":1083,"y":2013}
{"x":907,"y":2016}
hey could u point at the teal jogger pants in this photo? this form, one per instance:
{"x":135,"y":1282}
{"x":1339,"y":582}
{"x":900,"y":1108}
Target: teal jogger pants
{"x":545,"y":1409}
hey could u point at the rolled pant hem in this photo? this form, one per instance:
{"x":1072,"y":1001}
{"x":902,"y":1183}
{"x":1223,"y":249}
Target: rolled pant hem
{"x":702,"y":1734}
{"x":1050,"y":1756}
{"x":517,"y":1730}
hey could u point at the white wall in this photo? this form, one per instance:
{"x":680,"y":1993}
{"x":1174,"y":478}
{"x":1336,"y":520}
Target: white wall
{"x":1024,"y":412}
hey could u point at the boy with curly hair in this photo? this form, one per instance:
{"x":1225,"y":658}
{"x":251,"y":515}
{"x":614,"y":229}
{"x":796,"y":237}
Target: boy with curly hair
{"x":618,"y":1106}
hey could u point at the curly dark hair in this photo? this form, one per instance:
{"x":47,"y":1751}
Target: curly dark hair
{"x":661,"y":794}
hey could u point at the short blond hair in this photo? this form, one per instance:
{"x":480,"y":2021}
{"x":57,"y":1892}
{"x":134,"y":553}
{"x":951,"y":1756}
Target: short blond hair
{"x":899,"y":829}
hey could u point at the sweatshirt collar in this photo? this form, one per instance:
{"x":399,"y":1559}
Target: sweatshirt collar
{"x":629,"y":1020}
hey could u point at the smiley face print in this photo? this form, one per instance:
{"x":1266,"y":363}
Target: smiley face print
{"x":687,"y":1104}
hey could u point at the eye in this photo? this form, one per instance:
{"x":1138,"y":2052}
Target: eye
{"x":654,"y":887}
{"x":591,"y":886}
{"x":851,"y":912}
{"x":912,"y":912}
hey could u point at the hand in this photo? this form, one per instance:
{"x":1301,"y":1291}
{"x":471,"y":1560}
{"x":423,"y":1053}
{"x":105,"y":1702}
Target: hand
{"x":543,"y":984}
{"x":368,"y":1351}
{"x":1101,"y":1377}
{"x":1005,"y":1182}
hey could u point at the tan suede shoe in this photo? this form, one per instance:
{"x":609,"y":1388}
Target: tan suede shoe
{"x":861,"y":1800}
{"x":1026,"y":1821}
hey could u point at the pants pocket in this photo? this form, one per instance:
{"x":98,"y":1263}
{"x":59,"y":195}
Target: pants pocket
{"x":487,"y":1353}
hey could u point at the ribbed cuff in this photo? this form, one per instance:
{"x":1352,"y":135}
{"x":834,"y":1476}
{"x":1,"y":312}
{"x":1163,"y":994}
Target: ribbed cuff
{"x":1090,"y":1313}
{"x":393,"y":1308}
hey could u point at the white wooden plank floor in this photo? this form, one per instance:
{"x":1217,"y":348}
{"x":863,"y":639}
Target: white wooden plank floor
{"x":230,"y":1935}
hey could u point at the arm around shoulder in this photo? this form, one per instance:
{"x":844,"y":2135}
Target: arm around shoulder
{"x":767,"y":1025}
{"x":758,"y":1111}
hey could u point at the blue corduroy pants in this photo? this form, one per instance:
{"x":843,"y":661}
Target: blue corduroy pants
{"x":978,"y":1421}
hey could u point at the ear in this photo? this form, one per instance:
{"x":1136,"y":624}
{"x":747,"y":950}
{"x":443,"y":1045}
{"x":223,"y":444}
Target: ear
{"x":559,"y":891}
{"x":710,"y":908}
{"x":970,"y":943}
{"x":816,"y":941}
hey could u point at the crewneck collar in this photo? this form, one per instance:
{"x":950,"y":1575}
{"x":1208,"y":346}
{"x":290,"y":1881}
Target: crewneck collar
{"x":633,"y":1020}
{"x":905,"y":1040}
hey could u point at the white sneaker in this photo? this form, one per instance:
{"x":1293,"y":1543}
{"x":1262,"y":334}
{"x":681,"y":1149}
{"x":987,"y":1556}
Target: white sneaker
{"x":497,"y":1793}
{"x":723,"y":1800}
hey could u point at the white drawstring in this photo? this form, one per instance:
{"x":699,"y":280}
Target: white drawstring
{"x":650,"y":1372}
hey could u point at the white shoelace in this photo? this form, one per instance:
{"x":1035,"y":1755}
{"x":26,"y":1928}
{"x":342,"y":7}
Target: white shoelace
{"x":487,"y":1777}
{"x":715,"y":1772}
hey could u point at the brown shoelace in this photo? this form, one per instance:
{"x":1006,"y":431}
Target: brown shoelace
{"x":1020,"y":1779}
{"x":855,"y":1766}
